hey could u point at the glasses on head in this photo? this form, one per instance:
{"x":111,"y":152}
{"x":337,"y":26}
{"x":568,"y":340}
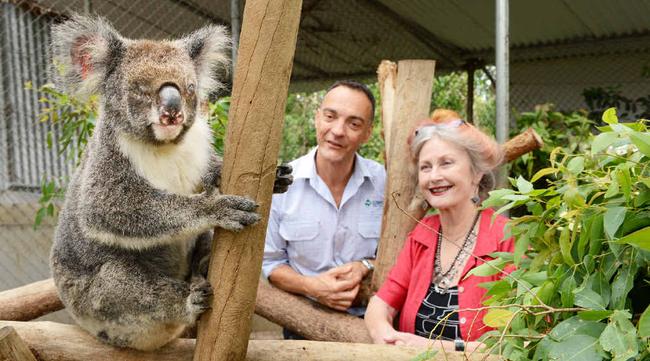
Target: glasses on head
{"x":446,"y":125}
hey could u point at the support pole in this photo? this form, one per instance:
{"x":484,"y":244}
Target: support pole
{"x":470,"y":93}
{"x":12,"y":347}
{"x":412,"y":101}
{"x":235,"y":27}
{"x":387,"y":76}
{"x":503,"y":76}
{"x":261,"y":81}
{"x":502,"y":65}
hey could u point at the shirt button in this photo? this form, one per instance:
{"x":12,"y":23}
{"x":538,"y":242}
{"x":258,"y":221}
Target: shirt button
{"x":463,"y":320}
{"x":461,"y":289}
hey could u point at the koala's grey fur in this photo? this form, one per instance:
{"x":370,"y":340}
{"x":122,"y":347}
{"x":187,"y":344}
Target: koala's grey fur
{"x":140,"y":208}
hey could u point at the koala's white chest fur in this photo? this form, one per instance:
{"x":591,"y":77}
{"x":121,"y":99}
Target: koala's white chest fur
{"x":176,"y":168}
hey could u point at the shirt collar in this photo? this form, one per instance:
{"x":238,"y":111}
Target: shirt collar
{"x":305,"y":167}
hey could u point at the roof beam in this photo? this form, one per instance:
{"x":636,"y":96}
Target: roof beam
{"x":448,"y":52}
{"x":581,"y":47}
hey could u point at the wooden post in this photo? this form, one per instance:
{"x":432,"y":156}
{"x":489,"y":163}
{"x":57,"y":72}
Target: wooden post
{"x":412,"y":102}
{"x":387,"y":76}
{"x":261,"y":80}
{"x":30,"y":301}
{"x":12,"y":347}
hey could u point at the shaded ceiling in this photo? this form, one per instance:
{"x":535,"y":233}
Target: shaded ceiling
{"x":348,"y":38}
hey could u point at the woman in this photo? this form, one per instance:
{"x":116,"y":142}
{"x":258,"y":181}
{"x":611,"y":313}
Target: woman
{"x":428,"y":284}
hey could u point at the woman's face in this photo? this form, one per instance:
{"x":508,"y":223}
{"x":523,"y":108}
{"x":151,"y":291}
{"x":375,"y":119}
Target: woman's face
{"x":445,"y":175}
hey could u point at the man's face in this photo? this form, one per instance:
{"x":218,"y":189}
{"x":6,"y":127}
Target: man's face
{"x":343,"y":123}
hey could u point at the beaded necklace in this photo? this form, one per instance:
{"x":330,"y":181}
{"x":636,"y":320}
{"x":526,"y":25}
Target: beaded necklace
{"x":442,"y":281}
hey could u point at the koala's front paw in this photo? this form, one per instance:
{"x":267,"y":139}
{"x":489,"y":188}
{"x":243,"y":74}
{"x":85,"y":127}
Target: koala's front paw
{"x":283,"y":178}
{"x":234,"y":212}
{"x":199,"y":298}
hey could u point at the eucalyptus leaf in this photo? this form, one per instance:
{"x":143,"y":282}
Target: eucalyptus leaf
{"x":642,"y":141}
{"x":576,"y":326}
{"x":609,"y":116}
{"x":613,"y":219}
{"x":565,"y":246}
{"x":602,"y":141}
{"x":644,"y":323}
{"x":523,"y":185}
{"x":640,"y":238}
{"x":543,"y":172}
{"x":589,"y":299}
{"x":497,"y":317}
{"x":576,"y":165}
{"x":576,"y":348}
{"x":621,"y":343}
{"x":594,"y":315}
{"x":623,"y":283}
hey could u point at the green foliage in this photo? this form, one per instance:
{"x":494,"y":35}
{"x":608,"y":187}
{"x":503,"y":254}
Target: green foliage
{"x":218,"y":120}
{"x":580,"y":251}
{"x":77,"y":121}
{"x":569,"y":131}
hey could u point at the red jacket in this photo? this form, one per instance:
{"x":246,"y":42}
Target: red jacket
{"x":410,"y":278}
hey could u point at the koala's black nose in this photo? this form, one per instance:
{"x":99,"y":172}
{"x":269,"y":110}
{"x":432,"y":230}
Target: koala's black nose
{"x":170,"y":105}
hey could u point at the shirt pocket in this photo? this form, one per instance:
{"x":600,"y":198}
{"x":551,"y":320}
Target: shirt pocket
{"x":299,"y":230}
{"x":302,"y":241}
{"x":369,"y":229}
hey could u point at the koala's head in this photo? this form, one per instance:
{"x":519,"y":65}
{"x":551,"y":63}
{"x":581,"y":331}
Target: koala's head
{"x":149,"y":90}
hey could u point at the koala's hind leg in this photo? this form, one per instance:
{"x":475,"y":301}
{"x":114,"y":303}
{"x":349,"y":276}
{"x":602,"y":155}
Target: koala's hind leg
{"x":128,"y":307}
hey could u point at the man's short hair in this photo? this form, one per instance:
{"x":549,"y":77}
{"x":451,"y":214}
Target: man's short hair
{"x":360,"y":87}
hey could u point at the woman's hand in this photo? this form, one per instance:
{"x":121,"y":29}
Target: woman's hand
{"x":406,"y":339}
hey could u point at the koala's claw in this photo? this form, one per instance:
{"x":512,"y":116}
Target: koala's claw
{"x":283,"y":178}
{"x":235,"y":212}
{"x":200,"y":296}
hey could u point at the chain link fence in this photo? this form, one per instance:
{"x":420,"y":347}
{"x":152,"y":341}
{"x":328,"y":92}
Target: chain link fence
{"x":586,"y":82}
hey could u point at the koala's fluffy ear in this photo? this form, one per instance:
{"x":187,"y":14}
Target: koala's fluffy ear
{"x":83,"y":52}
{"x":207,"y":48}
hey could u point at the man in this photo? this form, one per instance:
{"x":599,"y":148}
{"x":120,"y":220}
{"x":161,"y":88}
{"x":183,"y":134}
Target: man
{"x":323,"y":232}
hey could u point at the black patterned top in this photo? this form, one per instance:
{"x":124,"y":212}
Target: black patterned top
{"x":435,"y":308}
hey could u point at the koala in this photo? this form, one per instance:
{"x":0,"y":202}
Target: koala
{"x":129,"y":252}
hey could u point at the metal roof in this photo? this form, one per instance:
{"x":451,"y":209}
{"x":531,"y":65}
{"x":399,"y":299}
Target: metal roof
{"x":348,"y":38}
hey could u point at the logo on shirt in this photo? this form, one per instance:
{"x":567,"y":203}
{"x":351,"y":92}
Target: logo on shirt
{"x":374,"y":204}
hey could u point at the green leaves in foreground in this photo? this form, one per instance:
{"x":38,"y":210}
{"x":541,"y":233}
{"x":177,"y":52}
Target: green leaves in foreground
{"x":581,"y":248}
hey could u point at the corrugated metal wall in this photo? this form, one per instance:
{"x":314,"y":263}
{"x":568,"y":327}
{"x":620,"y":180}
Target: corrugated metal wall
{"x":26,"y":159}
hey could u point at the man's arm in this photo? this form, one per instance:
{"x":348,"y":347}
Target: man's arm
{"x":336,"y":288}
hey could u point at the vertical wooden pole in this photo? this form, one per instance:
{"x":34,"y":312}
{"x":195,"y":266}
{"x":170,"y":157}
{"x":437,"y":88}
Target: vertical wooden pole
{"x":261,"y":80}
{"x":412,"y":104}
{"x":387,"y":76}
{"x":12,"y":346}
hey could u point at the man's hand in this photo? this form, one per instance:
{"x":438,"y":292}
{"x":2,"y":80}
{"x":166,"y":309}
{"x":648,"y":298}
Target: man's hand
{"x":338,"y":287}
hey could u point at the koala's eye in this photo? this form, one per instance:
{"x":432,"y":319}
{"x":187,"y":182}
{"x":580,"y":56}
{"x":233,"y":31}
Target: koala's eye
{"x":190,"y":88}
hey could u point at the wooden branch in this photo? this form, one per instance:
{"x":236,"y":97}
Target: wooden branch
{"x":12,"y":346}
{"x":412,"y":101}
{"x":52,"y":341}
{"x":308,"y":318}
{"x":261,"y":80}
{"x":30,"y":301}
{"x":523,"y":143}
